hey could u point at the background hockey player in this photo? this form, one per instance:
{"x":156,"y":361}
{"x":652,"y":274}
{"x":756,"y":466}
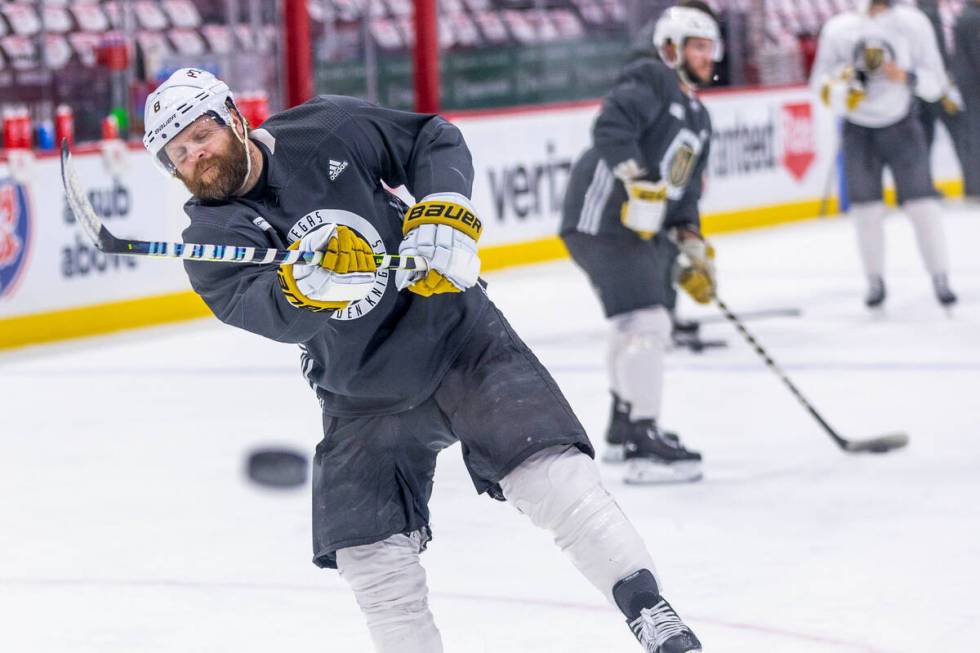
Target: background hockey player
{"x":870,"y":65}
{"x":403,"y":365}
{"x":949,"y":108}
{"x":631,"y":207}
{"x":966,"y":70}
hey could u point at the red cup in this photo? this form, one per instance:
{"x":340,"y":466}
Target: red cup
{"x":64,"y":125}
{"x":22,"y":136}
{"x":110,"y":128}
{"x":9,"y":133}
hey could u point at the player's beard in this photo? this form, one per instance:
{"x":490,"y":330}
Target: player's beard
{"x":693,"y":77}
{"x":225,"y":176}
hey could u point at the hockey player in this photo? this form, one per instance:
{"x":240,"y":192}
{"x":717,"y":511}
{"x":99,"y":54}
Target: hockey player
{"x":630,"y":220}
{"x":870,"y":63}
{"x":966,"y":67}
{"x":949,"y":108}
{"x":403,"y":365}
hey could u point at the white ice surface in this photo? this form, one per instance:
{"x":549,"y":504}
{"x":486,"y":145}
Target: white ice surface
{"x":126,"y":525}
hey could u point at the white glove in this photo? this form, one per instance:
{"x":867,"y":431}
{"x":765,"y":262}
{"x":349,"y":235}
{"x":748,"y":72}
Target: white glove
{"x":843,"y":92}
{"x":450,"y":250}
{"x":345,"y":275}
{"x":644,"y":210}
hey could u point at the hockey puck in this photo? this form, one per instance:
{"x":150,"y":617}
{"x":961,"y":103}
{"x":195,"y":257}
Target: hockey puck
{"x":279,"y":468}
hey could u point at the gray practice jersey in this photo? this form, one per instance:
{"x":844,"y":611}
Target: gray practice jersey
{"x":325,"y":163}
{"x":646,"y":117}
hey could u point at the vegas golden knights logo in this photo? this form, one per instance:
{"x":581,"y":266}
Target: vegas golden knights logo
{"x":681,"y":166}
{"x":871,"y":54}
{"x":873,"y":58}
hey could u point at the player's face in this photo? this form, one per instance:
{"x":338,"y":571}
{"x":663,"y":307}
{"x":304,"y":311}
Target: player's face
{"x":698,"y":58}
{"x":209,"y":159}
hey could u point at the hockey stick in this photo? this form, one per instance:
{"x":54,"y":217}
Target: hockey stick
{"x":103,"y":239}
{"x":760,"y":314}
{"x":882,"y":444}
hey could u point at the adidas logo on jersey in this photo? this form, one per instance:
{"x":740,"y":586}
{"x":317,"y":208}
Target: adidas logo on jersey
{"x":336,"y":167}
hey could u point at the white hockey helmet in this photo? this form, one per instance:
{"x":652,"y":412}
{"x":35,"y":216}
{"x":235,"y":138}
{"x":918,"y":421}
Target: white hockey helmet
{"x":677,"y":24}
{"x":187,"y":95}
{"x":864,"y":5}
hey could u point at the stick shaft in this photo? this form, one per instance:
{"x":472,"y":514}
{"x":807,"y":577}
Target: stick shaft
{"x":237,"y":254}
{"x":771,"y":364}
{"x":105,"y":241}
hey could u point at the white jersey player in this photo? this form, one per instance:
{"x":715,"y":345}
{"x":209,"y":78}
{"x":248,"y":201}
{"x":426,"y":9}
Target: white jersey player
{"x":870,"y":66}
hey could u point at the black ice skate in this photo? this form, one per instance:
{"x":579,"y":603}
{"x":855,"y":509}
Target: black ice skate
{"x":876,"y":293}
{"x":655,"y":456}
{"x":684,"y":331}
{"x":619,"y":431}
{"x":686,"y":334}
{"x":944,"y":295}
{"x":653,"y":621}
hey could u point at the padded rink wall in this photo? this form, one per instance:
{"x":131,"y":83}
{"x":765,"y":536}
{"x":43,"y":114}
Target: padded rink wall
{"x":772,"y":161}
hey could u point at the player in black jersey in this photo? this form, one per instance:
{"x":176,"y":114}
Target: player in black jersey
{"x":631,"y":221}
{"x":404,"y":365}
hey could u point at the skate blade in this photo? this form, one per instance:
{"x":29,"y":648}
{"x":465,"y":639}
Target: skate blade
{"x":648,"y":472}
{"x":614,"y":454}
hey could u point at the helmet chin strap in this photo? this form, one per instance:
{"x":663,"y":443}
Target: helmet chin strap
{"x":686,"y":76}
{"x":248,"y":156}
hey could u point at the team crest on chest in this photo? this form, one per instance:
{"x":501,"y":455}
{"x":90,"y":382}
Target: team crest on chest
{"x":679,"y":162}
{"x":316,"y":219}
{"x":871,"y":54}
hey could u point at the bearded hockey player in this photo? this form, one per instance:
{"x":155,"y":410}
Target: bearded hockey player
{"x":403,"y":365}
{"x":631,"y":221}
{"x":870,"y":65}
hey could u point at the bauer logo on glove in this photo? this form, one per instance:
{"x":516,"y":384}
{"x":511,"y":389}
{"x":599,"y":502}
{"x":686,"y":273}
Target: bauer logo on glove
{"x":443,"y":212}
{"x":443,"y":229}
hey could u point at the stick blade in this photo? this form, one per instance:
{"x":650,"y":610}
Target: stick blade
{"x":882,"y":444}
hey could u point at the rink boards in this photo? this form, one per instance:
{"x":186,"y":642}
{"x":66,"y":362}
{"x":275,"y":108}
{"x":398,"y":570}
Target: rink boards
{"x":772,"y":161}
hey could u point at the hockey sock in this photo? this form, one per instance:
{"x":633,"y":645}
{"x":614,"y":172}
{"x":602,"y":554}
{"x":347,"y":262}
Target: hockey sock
{"x":926,"y":217}
{"x":868,"y":220}
{"x":559,"y":490}
{"x":389,"y":584}
{"x":636,"y":359}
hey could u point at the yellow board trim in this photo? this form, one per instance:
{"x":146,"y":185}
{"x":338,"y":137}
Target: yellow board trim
{"x":99,"y":319}
{"x":175,"y":307}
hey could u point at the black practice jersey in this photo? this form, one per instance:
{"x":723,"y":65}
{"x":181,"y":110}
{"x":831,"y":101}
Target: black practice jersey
{"x":325,"y":163}
{"x":648,"y":118}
